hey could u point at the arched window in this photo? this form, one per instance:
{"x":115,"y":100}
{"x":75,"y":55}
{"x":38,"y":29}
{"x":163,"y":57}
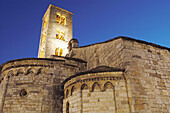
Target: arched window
{"x":57,"y":34}
{"x":61,"y":52}
{"x":58,"y":18}
{"x":62,"y":36}
{"x":67,"y":107}
{"x":56,"y":51}
{"x":63,"y":20}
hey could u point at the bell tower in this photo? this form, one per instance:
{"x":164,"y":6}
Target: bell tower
{"x":56,"y":32}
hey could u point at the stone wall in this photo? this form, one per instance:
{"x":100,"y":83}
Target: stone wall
{"x":34,"y":85}
{"x":97,"y":92}
{"x":107,"y":54}
{"x":50,"y":42}
{"x":148,"y":75}
{"x":147,"y":70}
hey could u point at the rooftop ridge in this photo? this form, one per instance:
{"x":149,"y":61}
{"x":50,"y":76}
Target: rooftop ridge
{"x":47,"y":59}
{"x":130,"y":39}
{"x":98,"y":69}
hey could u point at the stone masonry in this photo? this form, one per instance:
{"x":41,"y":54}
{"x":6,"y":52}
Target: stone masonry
{"x":121,"y":75}
{"x":147,"y":70}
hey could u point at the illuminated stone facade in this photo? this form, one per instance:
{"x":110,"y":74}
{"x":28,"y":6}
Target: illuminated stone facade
{"x":56,"y":32}
{"x":121,"y":75}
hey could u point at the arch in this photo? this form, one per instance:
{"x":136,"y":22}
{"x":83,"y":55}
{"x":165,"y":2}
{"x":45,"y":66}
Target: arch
{"x":10,"y":73}
{"x":56,"y":51}
{"x":108,"y":85}
{"x":58,"y":18}
{"x":57,"y":34}
{"x":96,"y":86}
{"x":30,"y":71}
{"x":67,"y":107}
{"x":20,"y":71}
{"x":84,"y":86}
{"x":62,"y":36}
{"x":63,"y":20}
{"x":72,"y":90}
{"x":61,"y":52}
{"x":39,"y":71}
{"x":67,"y":93}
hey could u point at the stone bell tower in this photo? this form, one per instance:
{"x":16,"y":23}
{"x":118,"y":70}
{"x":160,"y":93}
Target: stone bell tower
{"x":56,"y":32}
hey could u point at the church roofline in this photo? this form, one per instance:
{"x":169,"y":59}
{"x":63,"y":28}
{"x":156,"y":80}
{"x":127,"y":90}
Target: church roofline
{"x":47,"y":59}
{"x":129,"y":39}
{"x":98,"y":69}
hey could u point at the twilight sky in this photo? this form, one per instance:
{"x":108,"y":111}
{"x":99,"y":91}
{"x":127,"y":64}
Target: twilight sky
{"x":93,"y":21}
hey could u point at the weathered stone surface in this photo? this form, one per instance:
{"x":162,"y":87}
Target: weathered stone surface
{"x":43,"y":86}
{"x":146,"y":68}
{"x":121,"y":75}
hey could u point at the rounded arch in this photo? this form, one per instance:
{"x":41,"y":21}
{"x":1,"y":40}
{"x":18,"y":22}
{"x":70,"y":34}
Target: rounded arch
{"x":58,"y":17}
{"x":56,"y":51}
{"x":63,"y":19}
{"x":30,"y":71}
{"x":96,"y":86}
{"x":20,"y":71}
{"x":84,"y":86}
{"x":39,"y":71}
{"x":10,"y":73}
{"x":73,"y":89}
{"x":108,"y":85}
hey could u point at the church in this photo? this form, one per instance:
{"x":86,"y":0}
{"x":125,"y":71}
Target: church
{"x":120,"y":75}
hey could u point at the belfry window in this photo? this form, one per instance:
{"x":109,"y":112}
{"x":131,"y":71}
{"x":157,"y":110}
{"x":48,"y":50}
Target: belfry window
{"x":57,"y":34}
{"x":60,"y":35}
{"x":61,"y":52}
{"x":63,"y":20}
{"x":56,"y":51}
{"x":58,"y":18}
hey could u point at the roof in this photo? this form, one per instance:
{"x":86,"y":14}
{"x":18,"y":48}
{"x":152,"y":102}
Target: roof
{"x":129,"y":39}
{"x":47,"y":59}
{"x":96,"y":70}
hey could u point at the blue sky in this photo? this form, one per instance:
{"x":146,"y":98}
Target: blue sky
{"x":93,"y":21}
